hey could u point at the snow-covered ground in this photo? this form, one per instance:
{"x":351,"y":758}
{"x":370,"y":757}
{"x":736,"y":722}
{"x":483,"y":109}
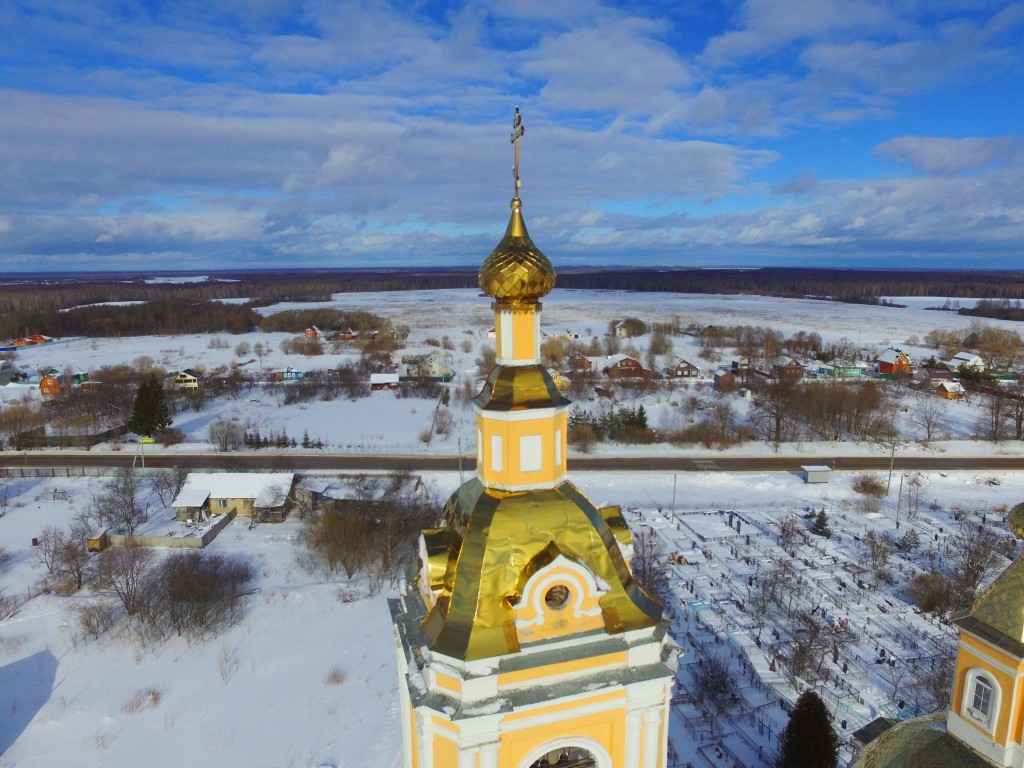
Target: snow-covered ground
{"x":260,"y":693}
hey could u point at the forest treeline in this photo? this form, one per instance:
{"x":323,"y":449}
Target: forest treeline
{"x":57,"y":306}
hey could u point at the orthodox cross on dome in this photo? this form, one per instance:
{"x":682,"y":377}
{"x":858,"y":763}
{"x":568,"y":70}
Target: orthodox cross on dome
{"x":517,"y":134}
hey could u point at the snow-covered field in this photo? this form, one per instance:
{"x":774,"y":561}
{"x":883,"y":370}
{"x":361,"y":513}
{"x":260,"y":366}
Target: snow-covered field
{"x":264,"y":694}
{"x":388,"y":425}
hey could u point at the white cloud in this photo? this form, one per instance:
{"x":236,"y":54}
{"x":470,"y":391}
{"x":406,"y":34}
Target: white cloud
{"x":945,"y":156}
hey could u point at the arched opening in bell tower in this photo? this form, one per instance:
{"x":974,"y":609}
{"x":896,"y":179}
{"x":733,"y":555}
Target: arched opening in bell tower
{"x":565,"y":757}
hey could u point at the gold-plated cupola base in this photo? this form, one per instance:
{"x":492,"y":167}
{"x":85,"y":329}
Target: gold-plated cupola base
{"x":491,"y":543}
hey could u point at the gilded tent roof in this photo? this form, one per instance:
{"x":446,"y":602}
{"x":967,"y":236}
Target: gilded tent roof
{"x":501,"y":539}
{"x":513,"y":388}
{"x":516,"y":271}
{"x":998,"y":613}
{"x":922,"y":742}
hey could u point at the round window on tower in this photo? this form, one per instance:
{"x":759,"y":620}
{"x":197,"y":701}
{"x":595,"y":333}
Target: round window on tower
{"x":557,"y":597}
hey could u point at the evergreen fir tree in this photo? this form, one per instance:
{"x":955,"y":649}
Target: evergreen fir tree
{"x":820,"y":526}
{"x":808,"y":740}
{"x":149,"y":410}
{"x":305,"y":439}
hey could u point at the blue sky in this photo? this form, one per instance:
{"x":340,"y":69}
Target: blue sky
{"x":196,"y":136}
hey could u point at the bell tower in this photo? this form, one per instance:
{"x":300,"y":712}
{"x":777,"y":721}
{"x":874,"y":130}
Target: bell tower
{"x":522,"y":638}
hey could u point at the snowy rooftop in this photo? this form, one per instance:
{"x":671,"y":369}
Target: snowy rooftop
{"x":260,"y":486}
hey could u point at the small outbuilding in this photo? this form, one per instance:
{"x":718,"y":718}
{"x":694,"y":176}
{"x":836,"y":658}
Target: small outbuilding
{"x":817,"y":473}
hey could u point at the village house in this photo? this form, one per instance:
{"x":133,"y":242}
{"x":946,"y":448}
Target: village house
{"x":51,"y":385}
{"x":260,"y":494}
{"x":951,"y":390}
{"x":314,"y":333}
{"x":382,"y":381}
{"x":580,"y":363}
{"x":934,"y":374}
{"x":967,"y":360}
{"x":570,"y":335}
{"x":683,"y":369}
{"x":724,"y":381}
{"x":427,"y":366}
{"x":624,"y":367}
{"x":893,"y":362}
{"x":346,"y":335}
{"x":12,"y":372}
{"x":359,"y":492}
{"x":186,"y":379}
{"x":788,"y":369}
{"x":837,"y":368}
{"x":561,"y":383}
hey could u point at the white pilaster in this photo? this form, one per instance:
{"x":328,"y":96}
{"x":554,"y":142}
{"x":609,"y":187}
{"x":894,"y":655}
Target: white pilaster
{"x":652,"y":737}
{"x":634,"y":726}
{"x":467,"y":757}
{"x":489,"y":755}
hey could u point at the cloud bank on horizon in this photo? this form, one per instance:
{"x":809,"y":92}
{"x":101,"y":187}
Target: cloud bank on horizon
{"x":183,"y":134}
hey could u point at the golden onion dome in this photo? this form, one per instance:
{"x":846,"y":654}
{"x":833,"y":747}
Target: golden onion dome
{"x":516,"y":271}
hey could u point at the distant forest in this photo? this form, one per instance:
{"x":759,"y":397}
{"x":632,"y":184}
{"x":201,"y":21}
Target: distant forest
{"x":43,"y":303}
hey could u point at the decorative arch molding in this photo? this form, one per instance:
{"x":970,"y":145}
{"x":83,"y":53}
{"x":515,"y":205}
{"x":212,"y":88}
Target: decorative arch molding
{"x":975,"y":680}
{"x":581,"y":611}
{"x":602,"y":759}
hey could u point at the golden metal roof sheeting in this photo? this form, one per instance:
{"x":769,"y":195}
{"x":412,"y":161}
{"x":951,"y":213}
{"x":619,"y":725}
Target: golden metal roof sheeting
{"x":518,"y":387}
{"x":516,"y":272}
{"x":998,"y":613}
{"x":922,"y":742}
{"x":499,"y":540}
{"x":1015,"y":521}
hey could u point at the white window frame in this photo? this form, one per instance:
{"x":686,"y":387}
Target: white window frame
{"x":976,"y":680}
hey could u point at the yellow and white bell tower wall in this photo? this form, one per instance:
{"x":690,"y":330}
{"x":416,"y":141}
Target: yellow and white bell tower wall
{"x":521,"y":450}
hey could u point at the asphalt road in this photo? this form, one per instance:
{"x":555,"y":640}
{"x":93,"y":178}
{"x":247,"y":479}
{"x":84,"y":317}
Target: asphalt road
{"x":269,"y":460}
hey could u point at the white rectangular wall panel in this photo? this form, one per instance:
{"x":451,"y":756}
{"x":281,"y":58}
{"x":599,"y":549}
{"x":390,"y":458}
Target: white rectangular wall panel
{"x":530,"y":457}
{"x":496,"y":451}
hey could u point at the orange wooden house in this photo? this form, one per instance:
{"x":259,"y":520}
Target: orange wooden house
{"x":892,"y":362}
{"x":51,"y":385}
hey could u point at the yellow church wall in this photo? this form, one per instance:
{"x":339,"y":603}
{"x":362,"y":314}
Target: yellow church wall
{"x":444,"y":724}
{"x":511,"y":432}
{"x":575,"y":667}
{"x":524,"y":341}
{"x":607,"y":728}
{"x":992,"y":652}
{"x":521,"y":328}
{"x":969,"y":658}
{"x":607,"y":698}
{"x":414,"y":739}
{"x":1018,"y":713}
{"x":446,"y":750}
{"x":447,"y":682}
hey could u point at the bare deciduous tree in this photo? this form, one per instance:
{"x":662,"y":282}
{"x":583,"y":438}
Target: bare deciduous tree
{"x":65,"y":554}
{"x":648,"y":564}
{"x":226,"y":434}
{"x":714,"y":683}
{"x":930,"y":410}
{"x":974,"y":557}
{"x":995,"y":415}
{"x":168,"y":483}
{"x":879,"y":549}
{"x":119,"y":505}
{"x":932,"y":685}
{"x":125,"y":571}
{"x":790,"y":532}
